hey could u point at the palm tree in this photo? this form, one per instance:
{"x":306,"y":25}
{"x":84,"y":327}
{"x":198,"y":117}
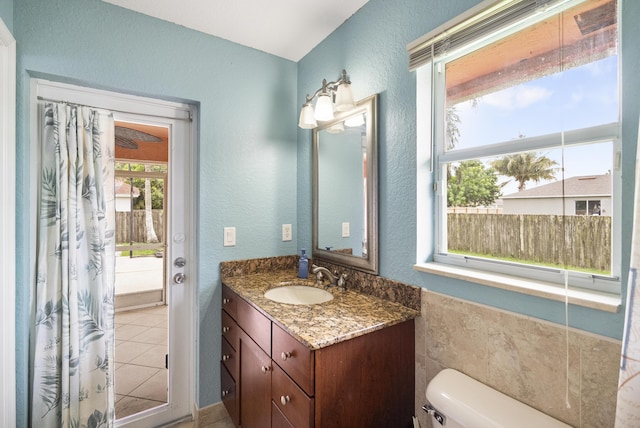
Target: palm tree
{"x":152,"y":238}
{"x":523,"y":167}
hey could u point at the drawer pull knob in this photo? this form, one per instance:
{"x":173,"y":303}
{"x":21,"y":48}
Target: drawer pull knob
{"x":265,"y":369}
{"x":225,"y":301}
{"x":226,"y":357}
{"x":285,"y":355}
{"x":225,"y":393}
{"x":225,"y":329}
{"x":284,"y":399}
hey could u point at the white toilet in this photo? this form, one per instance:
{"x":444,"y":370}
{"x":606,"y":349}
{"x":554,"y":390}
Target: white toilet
{"x":458,"y":401}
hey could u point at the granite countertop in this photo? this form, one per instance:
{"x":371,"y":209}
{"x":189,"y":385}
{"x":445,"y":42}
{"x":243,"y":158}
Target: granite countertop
{"x":348,"y":315}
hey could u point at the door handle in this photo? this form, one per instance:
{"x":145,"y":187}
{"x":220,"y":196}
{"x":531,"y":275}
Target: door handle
{"x":179,"y":278}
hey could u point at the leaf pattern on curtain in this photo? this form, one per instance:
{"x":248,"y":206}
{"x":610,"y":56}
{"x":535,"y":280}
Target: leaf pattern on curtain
{"x":72,"y":332}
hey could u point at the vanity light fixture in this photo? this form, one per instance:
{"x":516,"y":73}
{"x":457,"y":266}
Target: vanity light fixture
{"x":331,"y":96}
{"x":357,"y":120}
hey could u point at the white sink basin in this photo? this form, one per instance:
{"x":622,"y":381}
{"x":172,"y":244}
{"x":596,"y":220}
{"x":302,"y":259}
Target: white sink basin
{"x":298,"y":295}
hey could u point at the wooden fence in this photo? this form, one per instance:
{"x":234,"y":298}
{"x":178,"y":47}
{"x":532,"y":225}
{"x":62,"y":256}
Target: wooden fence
{"x":138,"y":229}
{"x":538,"y":238}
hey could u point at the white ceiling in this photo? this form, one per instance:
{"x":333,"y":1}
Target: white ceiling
{"x":285,"y":28}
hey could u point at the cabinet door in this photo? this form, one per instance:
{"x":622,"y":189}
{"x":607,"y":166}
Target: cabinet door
{"x":255,"y":385}
{"x":255,"y":324}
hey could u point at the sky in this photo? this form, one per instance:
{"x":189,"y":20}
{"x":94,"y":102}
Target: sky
{"x":579,"y":97}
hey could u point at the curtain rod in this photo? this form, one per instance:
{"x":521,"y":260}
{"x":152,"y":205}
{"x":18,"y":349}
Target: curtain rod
{"x":40,"y":98}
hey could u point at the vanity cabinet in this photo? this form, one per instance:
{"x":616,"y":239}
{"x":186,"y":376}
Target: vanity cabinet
{"x":276,"y":381}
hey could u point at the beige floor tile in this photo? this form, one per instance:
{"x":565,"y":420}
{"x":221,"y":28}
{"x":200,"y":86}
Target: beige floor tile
{"x":149,"y":320}
{"x":132,"y":405}
{"x":226,"y":423}
{"x":188,"y":424}
{"x":141,"y":346}
{"x":156,"y":310}
{"x":129,"y":377}
{"x":154,"y":335}
{"x":127,"y":351}
{"x":128,"y":317}
{"x":155,"y":388}
{"x":127,"y":331}
{"x":154,"y":357}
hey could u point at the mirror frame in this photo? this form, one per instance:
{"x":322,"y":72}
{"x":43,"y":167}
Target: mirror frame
{"x":369,"y":264}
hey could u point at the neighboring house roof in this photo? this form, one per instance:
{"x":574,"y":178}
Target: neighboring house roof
{"x":581,"y":186}
{"x":123,"y":189}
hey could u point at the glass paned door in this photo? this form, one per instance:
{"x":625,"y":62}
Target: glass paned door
{"x":140,"y":229}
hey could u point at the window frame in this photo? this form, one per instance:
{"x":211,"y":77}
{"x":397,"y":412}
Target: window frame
{"x":431,"y":173}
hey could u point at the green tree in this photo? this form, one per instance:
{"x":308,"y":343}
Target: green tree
{"x":524,"y":167}
{"x":471,"y":184}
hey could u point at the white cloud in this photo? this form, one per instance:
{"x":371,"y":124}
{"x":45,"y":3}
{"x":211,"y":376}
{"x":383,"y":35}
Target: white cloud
{"x":517,"y":97}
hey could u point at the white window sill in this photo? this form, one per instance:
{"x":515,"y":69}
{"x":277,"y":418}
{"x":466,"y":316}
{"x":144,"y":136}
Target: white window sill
{"x":590,"y":299}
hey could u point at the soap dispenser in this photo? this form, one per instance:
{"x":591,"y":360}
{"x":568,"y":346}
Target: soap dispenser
{"x":303,"y":265}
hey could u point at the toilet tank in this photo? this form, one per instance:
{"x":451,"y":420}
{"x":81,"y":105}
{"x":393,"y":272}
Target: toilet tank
{"x":466,"y":403}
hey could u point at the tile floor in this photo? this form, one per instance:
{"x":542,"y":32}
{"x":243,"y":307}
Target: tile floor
{"x":141,"y":376}
{"x":141,"y":346}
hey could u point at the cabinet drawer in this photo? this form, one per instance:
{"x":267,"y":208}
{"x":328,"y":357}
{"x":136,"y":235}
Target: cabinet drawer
{"x":256,"y":325}
{"x":230,"y":330}
{"x":291,"y":400}
{"x":228,"y":393}
{"x":278,"y":420}
{"x":229,"y":358}
{"x":230,"y":301}
{"x":294,"y":358}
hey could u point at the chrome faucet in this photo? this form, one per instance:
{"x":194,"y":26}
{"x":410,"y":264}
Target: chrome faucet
{"x":334,"y":280}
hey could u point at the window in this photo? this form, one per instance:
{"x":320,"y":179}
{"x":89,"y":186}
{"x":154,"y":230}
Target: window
{"x":525,"y":127}
{"x":588,"y":208}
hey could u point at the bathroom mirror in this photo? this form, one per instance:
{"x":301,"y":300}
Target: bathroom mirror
{"x":345,"y":188}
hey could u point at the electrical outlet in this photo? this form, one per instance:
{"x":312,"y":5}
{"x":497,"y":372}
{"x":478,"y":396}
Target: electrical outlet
{"x":229,"y":236}
{"x":286,"y":232}
{"x":345,"y":230}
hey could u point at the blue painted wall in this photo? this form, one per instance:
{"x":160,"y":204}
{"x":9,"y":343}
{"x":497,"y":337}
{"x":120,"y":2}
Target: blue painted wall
{"x":371,"y":46}
{"x":6,"y":13}
{"x":247,"y":155}
{"x":257,"y":175}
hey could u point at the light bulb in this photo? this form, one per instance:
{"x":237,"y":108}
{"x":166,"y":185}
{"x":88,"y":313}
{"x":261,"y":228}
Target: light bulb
{"x":344,"y":98}
{"x":307,"y":120}
{"x":324,"y":108}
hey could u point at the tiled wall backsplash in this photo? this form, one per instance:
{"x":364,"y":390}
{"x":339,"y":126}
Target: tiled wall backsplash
{"x":523,"y":357}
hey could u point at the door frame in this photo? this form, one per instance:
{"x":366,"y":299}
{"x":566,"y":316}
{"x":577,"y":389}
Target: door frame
{"x":7,"y":226}
{"x":132,"y":105}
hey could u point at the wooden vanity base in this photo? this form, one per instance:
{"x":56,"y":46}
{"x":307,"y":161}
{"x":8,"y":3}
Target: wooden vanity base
{"x":270,"y":379}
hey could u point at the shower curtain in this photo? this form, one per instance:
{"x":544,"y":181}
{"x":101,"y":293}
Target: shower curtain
{"x":628,"y":405}
{"x":72,"y":339}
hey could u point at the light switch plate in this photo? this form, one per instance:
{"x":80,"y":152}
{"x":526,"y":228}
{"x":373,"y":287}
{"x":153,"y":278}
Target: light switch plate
{"x":345,"y":230}
{"x":287,"y":234}
{"x":229,"y":236}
